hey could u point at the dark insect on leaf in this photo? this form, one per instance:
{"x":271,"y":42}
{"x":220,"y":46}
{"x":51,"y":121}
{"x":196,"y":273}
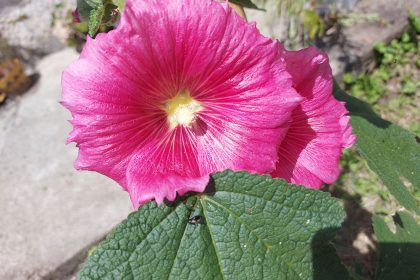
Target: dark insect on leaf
{"x":196,"y":220}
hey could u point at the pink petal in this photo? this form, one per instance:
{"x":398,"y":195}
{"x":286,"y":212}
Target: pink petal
{"x":116,"y":89}
{"x":320,"y":130}
{"x":163,"y":186}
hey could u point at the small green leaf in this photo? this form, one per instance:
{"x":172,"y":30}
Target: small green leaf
{"x":94,"y":3}
{"x":251,"y":227}
{"x":111,"y":15}
{"x":313,"y":23}
{"x":81,"y":27}
{"x":398,"y":256}
{"x":86,"y":6}
{"x":390,"y":151}
{"x":246,"y":4}
{"x":120,"y":4}
{"x":95,"y":20}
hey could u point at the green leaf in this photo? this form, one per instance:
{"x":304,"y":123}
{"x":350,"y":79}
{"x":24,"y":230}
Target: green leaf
{"x":81,"y":27}
{"x":95,"y":20}
{"x":398,"y":256}
{"x":251,"y":227}
{"x":313,"y":23}
{"x":111,"y":16}
{"x":414,"y":21}
{"x":120,"y":4}
{"x":86,"y":6}
{"x":390,"y":151}
{"x":246,"y":4}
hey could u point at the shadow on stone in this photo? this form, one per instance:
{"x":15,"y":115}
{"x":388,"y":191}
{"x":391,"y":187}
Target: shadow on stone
{"x":355,"y":242}
{"x":69,"y":269}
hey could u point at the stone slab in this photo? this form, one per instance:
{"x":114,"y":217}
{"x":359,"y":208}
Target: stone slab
{"x":34,"y":25}
{"x":49,"y":213}
{"x":353,"y":50}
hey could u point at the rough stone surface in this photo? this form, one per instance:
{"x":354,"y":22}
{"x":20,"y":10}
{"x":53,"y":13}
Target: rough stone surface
{"x":352,"y":48}
{"x":49,"y":212}
{"x":32,"y":24}
{"x":274,"y":20}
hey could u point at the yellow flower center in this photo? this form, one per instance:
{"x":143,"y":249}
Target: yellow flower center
{"x":182,"y":110}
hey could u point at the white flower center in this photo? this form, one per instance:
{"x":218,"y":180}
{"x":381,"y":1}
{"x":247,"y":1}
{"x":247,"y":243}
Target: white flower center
{"x":182,"y":110}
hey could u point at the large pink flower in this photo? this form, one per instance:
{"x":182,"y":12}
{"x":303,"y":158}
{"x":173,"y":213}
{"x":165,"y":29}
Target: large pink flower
{"x":319,"y":130}
{"x":181,"y":89}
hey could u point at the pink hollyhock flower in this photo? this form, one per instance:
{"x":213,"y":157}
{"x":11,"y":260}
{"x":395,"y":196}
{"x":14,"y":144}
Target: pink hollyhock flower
{"x":181,"y":89}
{"x":320,"y":130}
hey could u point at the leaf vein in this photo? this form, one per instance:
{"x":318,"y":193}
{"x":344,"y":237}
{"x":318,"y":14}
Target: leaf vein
{"x":212,"y":241}
{"x":268,"y":247}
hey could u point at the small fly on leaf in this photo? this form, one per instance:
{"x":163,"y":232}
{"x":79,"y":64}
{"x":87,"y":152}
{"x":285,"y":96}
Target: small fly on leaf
{"x":196,"y":220}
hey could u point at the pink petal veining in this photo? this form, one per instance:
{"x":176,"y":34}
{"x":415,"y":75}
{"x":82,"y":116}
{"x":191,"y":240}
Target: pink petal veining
{"x":319,"y":130}
{"x":116,"y":89}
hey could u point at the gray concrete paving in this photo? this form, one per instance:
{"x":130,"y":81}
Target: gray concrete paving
{"x":49,"y":211}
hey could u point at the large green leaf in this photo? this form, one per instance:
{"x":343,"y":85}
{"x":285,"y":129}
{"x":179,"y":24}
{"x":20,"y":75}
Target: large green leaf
{"x":390,"y":151}
{"x":248,"y":227}
{"x":399,"y":252}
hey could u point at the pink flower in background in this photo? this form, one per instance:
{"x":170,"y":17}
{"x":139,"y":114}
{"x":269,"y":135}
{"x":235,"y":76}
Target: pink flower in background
{"x":320,"y":130}
{"x":76,"y":16}
{"x":181,"y":89}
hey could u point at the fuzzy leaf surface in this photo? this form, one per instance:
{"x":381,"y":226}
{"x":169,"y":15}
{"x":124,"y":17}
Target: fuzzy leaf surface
{"x":390,"y":151}
{"x":86,"y":6}
{"x":95,"y":20}
{"x":398,"y":256}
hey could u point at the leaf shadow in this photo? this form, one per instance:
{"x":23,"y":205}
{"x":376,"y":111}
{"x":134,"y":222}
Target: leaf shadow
{"x":325,"y":262}
{"x":211,"y":187}
{"x":398,"y":261}
{"x":354,"y":243}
